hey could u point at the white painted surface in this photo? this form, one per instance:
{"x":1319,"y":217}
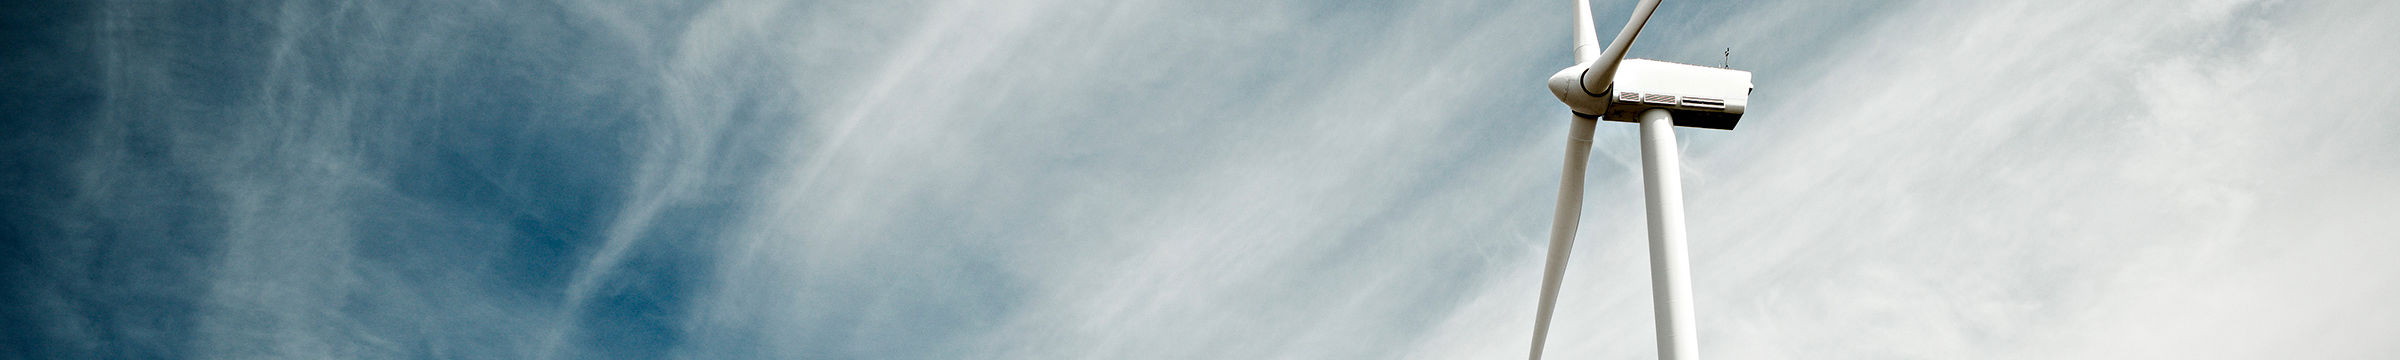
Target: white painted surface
{"x":1670,"y":266}
{"x":1562,"y":225}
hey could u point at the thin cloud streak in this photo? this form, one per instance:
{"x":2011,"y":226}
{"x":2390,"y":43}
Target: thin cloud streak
{"x":972,"y":137}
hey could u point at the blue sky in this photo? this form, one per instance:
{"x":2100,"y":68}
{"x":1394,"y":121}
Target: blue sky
{"x":1044,"y":179}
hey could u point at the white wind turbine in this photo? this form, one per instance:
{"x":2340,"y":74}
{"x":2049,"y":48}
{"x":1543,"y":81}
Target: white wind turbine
{"x":1604,"y":85}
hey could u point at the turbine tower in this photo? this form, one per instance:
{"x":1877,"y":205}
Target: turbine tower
{"x":1603,"y":85}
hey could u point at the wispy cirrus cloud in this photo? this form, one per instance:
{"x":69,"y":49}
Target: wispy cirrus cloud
{"x":1161,"y":179}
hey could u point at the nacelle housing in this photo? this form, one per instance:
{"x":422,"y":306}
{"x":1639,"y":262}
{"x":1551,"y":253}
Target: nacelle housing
{"x":1698,"y":96}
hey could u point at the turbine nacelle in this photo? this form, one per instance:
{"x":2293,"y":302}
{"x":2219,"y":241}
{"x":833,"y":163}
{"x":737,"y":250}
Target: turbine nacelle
{"x":1698,"y":96}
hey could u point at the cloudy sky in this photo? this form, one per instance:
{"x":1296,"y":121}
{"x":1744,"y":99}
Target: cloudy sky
{"x":1169,"y":179}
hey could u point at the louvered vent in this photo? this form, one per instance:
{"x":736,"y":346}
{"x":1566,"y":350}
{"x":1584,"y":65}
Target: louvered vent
{"x":1660,"y":99}
{"x":1631,"y":97}
{"x":1704,"y":103}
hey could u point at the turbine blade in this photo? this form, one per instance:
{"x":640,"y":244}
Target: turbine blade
{"x":1562,"y":224}
{"x":1597,"y":77}
{"x":1587,"y":38}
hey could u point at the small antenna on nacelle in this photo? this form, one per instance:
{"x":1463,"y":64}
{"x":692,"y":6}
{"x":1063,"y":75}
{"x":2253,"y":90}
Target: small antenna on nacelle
{"x":1728,"y":58}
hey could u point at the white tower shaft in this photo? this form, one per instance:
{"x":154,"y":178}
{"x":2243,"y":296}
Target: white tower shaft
{"x":1670,"y":268}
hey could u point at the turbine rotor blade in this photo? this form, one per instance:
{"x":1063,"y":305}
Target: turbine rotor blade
{"x":1562,"y":224}
{"x":1587,"y":38}
{"x":1597,"y":77}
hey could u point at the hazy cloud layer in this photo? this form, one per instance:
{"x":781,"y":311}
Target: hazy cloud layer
{"x":1047,"y":179}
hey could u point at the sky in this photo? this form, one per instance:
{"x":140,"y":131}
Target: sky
{"x":1148,"y":179}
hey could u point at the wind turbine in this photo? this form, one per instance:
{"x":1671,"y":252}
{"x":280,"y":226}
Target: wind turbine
{"x":1603,"y":85}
